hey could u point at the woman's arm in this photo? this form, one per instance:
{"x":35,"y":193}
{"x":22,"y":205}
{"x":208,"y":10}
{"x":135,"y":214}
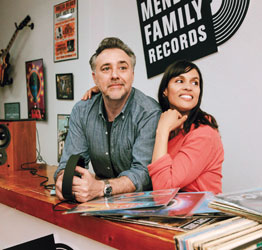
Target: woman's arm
{"x":196,"y":157}
{"x":169,"y":121}
{"x":88,"y":94}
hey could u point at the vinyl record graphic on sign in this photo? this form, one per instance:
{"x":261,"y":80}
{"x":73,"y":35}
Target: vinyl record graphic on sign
{"x":228,"y":18}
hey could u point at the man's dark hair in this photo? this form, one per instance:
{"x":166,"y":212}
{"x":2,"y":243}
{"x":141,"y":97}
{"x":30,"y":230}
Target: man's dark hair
{"x":112,"y":43}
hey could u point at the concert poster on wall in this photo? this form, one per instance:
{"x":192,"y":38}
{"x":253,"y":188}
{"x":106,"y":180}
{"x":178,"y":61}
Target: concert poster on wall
{"x":35,"y":89}
{"x":65,"y":31}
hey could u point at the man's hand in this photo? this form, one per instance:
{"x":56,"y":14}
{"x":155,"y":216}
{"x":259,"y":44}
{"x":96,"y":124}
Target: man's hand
{"x":84,"y":189}
{"x":87,"y":187}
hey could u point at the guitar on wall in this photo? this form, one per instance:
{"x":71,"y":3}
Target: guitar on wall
{"x":4,"y":54}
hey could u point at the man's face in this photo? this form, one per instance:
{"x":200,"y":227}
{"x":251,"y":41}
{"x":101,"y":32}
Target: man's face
{"x":114,"y":74}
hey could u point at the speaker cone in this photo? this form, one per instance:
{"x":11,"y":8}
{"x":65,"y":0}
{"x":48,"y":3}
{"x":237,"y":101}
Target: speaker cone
{"x":4,"y":136}
{"x":3,"y":157}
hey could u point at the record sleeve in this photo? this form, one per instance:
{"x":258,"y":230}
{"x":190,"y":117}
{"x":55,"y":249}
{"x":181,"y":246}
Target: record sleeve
{"x":182,"y":205}
{"x":151,"y":199}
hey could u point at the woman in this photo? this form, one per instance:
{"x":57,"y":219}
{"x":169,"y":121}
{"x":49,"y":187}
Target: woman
{"x":188,"y":151}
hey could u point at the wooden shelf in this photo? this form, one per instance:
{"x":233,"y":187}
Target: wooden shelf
{"x":21,"y":190}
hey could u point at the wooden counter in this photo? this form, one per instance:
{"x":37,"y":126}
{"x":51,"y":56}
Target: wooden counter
{"x":22,"y":190}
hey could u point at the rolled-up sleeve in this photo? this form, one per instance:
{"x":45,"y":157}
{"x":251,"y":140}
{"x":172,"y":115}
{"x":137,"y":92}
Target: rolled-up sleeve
{"x":142,"y":153}
{"x":75,"y":142}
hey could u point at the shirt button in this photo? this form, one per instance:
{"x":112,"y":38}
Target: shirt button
{"x":106,"y":153}
{"x":106,"y":132}
{"x":123,"y":117}
{"x":108,"y":168}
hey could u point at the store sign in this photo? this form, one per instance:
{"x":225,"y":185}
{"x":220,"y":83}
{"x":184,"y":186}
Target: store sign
{"x":185,"y":29}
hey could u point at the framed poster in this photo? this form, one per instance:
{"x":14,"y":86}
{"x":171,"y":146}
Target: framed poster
{"x":12,"y":111}
{"x":35,"y":89}
{"x":65,"y":86}
{"x":66,"y":31}
{"x":62,"y":130}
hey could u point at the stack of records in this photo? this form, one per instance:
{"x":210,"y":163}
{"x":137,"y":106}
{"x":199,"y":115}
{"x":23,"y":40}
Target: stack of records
{"x":234,"y":233}
{"x":247,"y":203}
{"x":167,"y":209}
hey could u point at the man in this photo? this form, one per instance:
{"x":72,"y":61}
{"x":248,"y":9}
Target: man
{"x":115,"y":129}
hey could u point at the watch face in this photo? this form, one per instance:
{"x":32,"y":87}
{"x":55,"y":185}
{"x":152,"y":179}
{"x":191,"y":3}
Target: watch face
{"x":107,"y":190}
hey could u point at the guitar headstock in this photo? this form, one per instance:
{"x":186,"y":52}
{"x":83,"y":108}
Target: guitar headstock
{"x":25,"y":23}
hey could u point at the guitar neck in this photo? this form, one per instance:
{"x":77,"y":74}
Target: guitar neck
{"x":10,"y":43}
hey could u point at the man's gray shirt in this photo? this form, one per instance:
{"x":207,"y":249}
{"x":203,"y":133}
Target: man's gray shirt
{"x":131,"y":140}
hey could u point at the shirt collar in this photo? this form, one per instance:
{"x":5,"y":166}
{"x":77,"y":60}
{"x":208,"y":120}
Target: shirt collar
{"x":125,"y":109}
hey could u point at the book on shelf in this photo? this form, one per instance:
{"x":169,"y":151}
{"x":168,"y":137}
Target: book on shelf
{"x":246,"y":203}
{"x":135,"y":200}
{"x":226,"y":234}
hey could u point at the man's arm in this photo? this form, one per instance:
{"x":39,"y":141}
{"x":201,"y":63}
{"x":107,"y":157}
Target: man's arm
{"x":88,"y":187}
{"x":122,"y":185}
{"x":75,"y":142}
{"x":142,"y":153}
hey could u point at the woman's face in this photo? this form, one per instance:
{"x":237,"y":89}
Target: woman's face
{"x":183,"y":91}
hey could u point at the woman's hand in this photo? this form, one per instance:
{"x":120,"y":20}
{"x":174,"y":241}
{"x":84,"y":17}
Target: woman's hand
{"x":88,"y":94}
{"x":171,"y":120}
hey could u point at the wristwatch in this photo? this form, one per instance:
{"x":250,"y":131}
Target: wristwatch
{"x":107,"y":188}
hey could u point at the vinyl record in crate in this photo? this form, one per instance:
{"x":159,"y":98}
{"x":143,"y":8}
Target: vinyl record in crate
{"x":228,"y":18}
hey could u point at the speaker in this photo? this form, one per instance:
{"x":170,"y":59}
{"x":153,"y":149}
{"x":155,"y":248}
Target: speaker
{"x":17,"y":143}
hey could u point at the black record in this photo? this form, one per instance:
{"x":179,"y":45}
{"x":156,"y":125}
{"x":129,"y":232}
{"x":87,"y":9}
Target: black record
{"x":228,"y":18}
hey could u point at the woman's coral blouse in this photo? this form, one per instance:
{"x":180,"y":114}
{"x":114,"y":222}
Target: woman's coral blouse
{"x":193,"y":162}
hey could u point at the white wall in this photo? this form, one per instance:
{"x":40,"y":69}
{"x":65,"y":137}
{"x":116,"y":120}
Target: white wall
{"x":232,"y":79}
{"x":36,"y":228}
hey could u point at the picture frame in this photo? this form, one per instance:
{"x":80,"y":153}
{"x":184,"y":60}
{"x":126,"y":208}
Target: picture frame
{"x":12,"y":111}
{"x":35,"y":89}
{"x":65,"y":86}
{"x":62,"y":130}
{"x":66,"y":31}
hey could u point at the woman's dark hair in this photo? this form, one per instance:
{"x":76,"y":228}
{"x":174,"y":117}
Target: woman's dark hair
{"x":196,"y":115}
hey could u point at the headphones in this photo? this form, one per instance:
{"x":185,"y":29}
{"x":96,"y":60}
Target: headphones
{"x":69,"y":173}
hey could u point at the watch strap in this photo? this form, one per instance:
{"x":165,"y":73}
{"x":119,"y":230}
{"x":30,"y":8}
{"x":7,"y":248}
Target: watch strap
{"x":107,"y":188}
